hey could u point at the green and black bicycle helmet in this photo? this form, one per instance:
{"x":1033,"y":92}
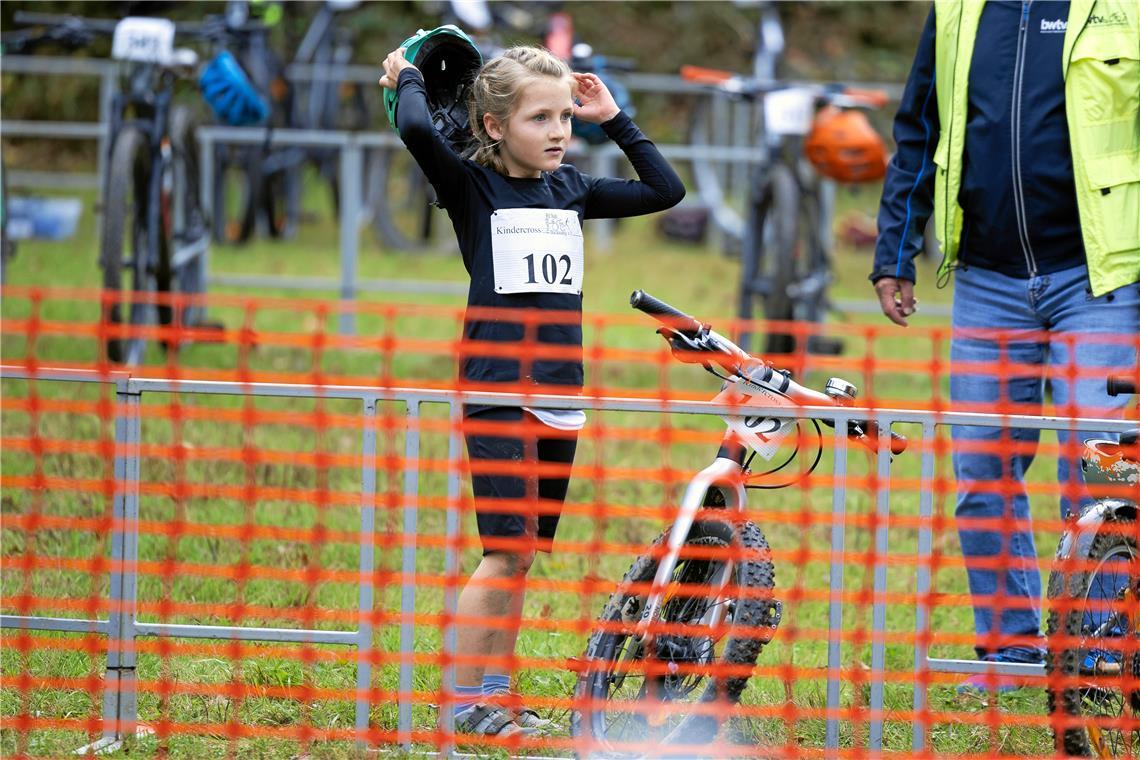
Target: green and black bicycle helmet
{"x":449,"y":61}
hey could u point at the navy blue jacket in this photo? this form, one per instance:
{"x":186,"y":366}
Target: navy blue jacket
{"x":1017,"y":193}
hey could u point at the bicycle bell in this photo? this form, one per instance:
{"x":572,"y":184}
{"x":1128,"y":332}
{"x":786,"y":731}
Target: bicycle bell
{"x":842,"y":391}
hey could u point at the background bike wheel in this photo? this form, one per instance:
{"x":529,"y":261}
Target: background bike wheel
{"x":398,"y":198}
{"x":123,"y":247}
{"x":1093,"y":645}
{"x":784,"y":258}
{"x":619,"y":696}
{"x":190,"y":226}
{"x":237,"y":175}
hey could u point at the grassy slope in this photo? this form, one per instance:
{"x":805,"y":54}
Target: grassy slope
{"x":696,"y":279}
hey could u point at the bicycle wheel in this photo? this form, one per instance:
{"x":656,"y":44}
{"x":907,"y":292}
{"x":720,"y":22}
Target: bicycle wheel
{"x":1093,"y":647}
{"x":237,"y":174}
{"x":772,"y":255}
{"x":190,"y":227}
{"x":398,"y":198}
{"x":635,"y":704}
{"x":128,"y":270}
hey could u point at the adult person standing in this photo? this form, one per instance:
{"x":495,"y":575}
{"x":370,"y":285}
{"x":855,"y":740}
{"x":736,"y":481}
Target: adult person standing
{"x":1019,"y":128}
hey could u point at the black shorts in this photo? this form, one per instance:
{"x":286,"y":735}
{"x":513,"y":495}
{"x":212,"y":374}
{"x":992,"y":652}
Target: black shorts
{"x":514,"y":505}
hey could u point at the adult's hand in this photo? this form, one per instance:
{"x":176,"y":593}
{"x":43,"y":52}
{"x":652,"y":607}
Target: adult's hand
{"x":896,"y":299}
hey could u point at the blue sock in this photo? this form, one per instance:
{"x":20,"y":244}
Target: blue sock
{"x":496,"y":683}
{"x":466,"y":698}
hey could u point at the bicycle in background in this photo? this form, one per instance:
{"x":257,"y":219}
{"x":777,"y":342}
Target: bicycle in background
{"x":687,"y":623}
{"x":812,"y":135}
{"x":1093,"y":662}
{"x":154,"y":235}
{"x":260,"y":187}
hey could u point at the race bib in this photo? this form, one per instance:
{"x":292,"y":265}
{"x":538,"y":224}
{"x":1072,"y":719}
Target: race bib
{"x":537,"y":250}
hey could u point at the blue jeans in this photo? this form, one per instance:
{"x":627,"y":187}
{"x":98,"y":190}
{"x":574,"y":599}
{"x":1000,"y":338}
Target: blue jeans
{"x":1010,"y":375}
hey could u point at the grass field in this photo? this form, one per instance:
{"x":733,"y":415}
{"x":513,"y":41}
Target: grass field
{"x":48,"y":533}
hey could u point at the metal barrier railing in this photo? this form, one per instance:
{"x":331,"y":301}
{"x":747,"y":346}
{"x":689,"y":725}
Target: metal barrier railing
{"x":120,"y":709}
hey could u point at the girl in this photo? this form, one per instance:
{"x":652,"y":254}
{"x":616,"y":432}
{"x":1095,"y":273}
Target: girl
{"x":517,"y":212}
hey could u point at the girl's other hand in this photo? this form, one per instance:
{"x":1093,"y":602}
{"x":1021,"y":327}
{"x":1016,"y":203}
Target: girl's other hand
{"x":592,"y":99}
{"x":393,"y":65}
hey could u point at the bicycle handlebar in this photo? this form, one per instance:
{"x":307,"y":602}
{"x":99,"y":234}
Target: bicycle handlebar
{"x":214,"y":27}
{"x":33,"y":18}
{"x":841,"y":94}
{"x":1120,"y":385}
{"x":700,"y":341}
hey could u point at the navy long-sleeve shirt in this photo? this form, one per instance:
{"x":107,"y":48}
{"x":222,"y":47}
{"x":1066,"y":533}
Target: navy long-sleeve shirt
{"x":1017,"y":192}
{"x":471,"y":193}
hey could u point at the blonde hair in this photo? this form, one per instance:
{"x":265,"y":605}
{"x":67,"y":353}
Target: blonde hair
{"x":496,"y":91}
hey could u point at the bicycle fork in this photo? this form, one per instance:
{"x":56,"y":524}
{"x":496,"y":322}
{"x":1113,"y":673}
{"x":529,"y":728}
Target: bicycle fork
{"x":723,"y":473}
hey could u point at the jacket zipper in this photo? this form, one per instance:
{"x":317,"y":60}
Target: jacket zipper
{"x":1015,"y":137}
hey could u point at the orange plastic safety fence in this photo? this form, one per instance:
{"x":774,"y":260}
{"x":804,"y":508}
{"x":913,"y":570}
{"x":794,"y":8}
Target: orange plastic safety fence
{"x":279,"y":561}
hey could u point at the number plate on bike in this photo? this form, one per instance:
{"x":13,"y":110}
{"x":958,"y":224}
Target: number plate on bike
{"x":761,"y":433}
{"x":146,"y":40}
{"x":788,"y":112}
{"x":537,"y":251}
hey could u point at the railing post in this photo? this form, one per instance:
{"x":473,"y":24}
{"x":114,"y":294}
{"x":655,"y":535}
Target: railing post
{"x":451,"y":573}
{"x":879,"y":603}
{"x":351,"y":183}
{"x":922,"y":584}
{"x":367,"y":565}
{"x":120,"y":692}
{"x":206,"y":163}
{"x":408,"y":565}
{"x":835,"y":597}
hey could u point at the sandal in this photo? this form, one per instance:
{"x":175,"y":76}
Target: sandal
{"x":525,"y":717}
{"x":529,"y":720}
{"x":490,"y":720}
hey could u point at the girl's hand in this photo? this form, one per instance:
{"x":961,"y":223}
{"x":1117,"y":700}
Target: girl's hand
{"x":393,"y":65}
{"x":592,"y":99}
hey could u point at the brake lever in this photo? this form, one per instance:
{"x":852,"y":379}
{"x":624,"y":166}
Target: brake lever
{"x":682,"y":346}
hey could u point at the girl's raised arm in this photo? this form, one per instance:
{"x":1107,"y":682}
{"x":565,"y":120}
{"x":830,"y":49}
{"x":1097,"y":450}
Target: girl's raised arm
{"x":414,"y":124}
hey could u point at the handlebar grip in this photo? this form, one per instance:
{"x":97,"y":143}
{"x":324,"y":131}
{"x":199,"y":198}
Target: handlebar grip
{"x":873,"y":98}
{"x":1120,"y":385}
{"x":34,"y":18}
{"x":674,"y":318}
{"x":703,"y":75}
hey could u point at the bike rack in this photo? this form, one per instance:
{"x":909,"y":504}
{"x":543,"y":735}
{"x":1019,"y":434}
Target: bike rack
{"x":122,"y":629}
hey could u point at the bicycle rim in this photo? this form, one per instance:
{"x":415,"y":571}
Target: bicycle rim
{"x":1101,"y":652}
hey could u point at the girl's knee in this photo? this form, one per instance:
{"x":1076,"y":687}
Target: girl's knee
{"x":509,"y":564}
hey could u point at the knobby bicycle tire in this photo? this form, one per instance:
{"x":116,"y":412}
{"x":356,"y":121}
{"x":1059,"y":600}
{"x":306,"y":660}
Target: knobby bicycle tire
{"x":750,"y":625}
{"x":125,"y":210}
{"x":1077,"y":697}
